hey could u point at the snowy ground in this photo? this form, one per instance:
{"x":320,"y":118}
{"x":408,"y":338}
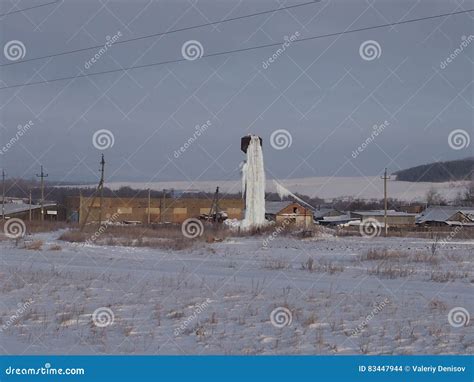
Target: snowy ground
{"x":218,"y":298}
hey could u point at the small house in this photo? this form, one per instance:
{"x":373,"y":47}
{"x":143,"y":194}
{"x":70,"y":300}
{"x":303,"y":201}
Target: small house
{"x":394,"y":218}
{"x":288,"y":211}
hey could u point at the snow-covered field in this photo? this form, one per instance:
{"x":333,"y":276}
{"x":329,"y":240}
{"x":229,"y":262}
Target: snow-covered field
{"x":323,"y":187}
{"x":218,"y":298}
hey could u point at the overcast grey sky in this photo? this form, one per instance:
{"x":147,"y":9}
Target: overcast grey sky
{"x":323,"y":92}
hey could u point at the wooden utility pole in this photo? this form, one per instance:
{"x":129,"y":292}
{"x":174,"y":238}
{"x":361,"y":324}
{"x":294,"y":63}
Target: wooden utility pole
{"x":3,"y":194}
{"x":29,"y":207}
{"x":42,"y":175}
{"x":101,"y":188}
{"x":162,"y":207}
{"x":385,"y":178}
{"x":149,"y":206}
{"x":214,"y":210}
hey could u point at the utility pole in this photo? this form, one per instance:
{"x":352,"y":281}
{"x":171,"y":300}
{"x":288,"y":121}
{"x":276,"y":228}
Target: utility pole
{"x":3,"y":194}
{"x":101,"y":188}
{"x":42,"y":175}
{"x":149,"y":205}
{"x":162,"y":207}
{"x":385,"y":178}
{"x":29,"y":207}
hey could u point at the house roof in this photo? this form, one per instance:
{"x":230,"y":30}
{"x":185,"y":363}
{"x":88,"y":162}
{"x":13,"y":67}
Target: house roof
{"x":382,"y":213}
{"x":320,"y":213}
{"x":442,"y":213}
{"x":15,"y":208}
{"x":275,"y":207}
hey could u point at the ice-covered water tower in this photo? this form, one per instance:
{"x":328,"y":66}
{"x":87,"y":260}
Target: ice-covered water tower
{"x":245,"y":141}
{"x":253,"y":182}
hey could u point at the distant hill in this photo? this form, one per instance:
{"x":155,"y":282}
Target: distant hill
{"x":461,"y":169}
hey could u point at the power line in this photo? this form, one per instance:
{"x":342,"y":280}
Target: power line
{"x":27,"y":9}
{"x":237,"y":50}
{"x":164,"y":33}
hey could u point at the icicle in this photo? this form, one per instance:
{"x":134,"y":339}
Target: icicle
{"x":284,"y":192}
{"x":253,"y":177}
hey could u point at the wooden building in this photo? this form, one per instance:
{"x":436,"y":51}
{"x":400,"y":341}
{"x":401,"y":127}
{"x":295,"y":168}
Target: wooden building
{"x":446,"y":215}
{"x":288,"y":211}
{"x":394,"y":218}
{"x":25,"y":211}
{"x":142,"y":210}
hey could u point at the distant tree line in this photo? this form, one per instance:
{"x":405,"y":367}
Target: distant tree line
{"x":439,"y":172}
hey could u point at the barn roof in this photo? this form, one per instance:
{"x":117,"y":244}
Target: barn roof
{"x":442,"y":213}
{"x":275,"y":207}
{"x":382,"y":213}
{"x":15,"y":208}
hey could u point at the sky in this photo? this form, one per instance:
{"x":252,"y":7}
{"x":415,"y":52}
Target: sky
{"x":315,"y":103}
